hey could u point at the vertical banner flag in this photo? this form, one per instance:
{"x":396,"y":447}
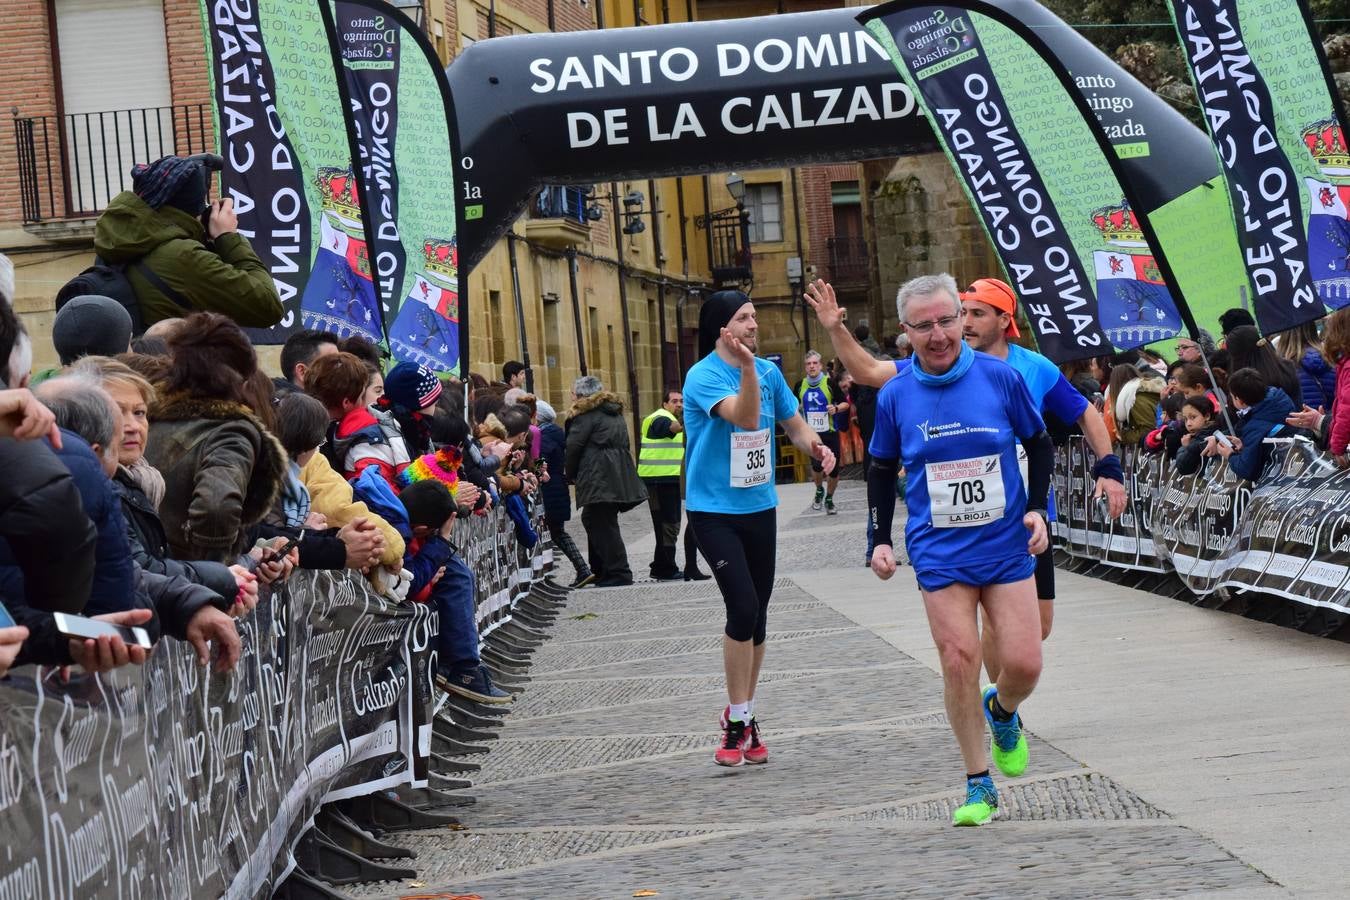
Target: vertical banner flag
{"x":330,"y":116}
{"x":1279,"y":134}
{"x":279,"y":126}
{"x":1042,"y":175}
{"x":399,"y":128}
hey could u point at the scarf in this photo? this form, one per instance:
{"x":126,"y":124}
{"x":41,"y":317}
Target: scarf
{"x":294,"y":497}
{"x":815,"y":382}
{"x":147,"y":478}
{"x":964,"y":361}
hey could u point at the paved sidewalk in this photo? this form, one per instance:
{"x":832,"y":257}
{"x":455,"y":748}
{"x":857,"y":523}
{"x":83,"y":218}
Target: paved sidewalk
{"x":1175,"y":751}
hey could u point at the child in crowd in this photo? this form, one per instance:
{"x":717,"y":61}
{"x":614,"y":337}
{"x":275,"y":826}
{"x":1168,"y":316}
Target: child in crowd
{"x":1262,"y":409}
{"x":1197,"y":413}
{"x":441,"y":576}
{"x":360,"y":437}
{"x":1166,"y":438}
{"x":410,"y":394}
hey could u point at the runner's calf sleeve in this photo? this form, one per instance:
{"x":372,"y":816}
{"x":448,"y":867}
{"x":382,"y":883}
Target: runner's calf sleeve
{"x":881,"y":496}
{"x":1040,"y":463}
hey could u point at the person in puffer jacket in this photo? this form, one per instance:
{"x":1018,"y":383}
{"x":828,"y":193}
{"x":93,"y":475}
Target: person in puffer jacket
{"x":1262,"y":409}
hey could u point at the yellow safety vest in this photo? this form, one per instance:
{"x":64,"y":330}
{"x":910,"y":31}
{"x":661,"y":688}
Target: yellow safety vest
{"x":660,"y":457}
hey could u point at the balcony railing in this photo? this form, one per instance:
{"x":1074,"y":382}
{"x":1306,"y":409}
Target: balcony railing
{"x":729,"y":245}
{"x":849,"y":258}
{"x":71,"y":166}
{"x":560,"y":202}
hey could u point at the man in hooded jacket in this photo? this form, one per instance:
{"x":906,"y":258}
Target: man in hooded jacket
{"x":194,"y":255}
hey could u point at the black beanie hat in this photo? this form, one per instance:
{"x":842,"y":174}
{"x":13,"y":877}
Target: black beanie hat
{"x":717,"y":311}
{"x":428,"y":503}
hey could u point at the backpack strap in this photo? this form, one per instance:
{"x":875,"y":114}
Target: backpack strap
{"x":160,"y":285}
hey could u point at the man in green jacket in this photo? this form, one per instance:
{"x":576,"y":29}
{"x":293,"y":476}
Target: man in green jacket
{"x":192,"y":266}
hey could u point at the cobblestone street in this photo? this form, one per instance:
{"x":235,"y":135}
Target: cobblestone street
{"x":602,"y":784}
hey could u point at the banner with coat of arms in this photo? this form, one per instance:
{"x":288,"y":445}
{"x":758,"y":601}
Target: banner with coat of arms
{"x":331,"y":117}
{"x":1044,"y":176}
{"x":1279,"y":134}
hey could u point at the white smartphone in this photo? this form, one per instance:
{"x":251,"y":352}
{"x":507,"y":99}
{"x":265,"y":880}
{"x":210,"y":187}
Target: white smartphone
{"x":81,"y":628}
{"x":1223,"y":439}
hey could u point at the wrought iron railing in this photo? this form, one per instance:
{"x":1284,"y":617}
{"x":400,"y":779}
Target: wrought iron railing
{"x":557,"y":201}
{"x":729,"y":245}
{"x":71,"y":166}
{"x":848,"y":259}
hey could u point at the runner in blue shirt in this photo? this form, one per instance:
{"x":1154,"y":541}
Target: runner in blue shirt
{"x":954,"y":419}
{"x":732,"y":400}
{"x":989,"y":319}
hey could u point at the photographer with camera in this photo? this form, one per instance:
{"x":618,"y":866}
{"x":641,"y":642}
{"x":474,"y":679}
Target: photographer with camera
{"x":177,"y":252}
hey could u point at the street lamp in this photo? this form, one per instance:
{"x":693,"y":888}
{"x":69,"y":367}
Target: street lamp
{"x":413,"y":9}
{"x":736,"y":188}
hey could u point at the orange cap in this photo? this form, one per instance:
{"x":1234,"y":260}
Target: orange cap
{"x":998,"y":295}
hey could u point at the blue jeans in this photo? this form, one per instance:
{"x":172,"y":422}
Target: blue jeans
{"x":457,"y":644}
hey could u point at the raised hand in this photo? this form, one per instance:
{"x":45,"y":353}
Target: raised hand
{"x":820,"y":294}
{"x":739,"y":352}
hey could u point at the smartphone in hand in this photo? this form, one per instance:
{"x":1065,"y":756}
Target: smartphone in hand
{"x":80,"y":628}
{"x":6,"y":620}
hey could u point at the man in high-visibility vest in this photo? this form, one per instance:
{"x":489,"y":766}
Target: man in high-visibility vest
{"x":660,"y":464}
{"x":821,"y":399}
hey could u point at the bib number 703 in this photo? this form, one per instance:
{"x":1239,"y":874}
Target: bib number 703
{"x":966,"y":493}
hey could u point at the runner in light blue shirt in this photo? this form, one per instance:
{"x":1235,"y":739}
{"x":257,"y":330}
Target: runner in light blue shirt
{"x":732,"y":401}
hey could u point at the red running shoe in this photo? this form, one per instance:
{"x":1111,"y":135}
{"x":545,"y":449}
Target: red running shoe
{"x":756,"y":754}
{"x":732,"y":750}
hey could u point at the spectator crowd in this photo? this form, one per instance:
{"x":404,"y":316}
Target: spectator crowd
{"x":158,"y":482}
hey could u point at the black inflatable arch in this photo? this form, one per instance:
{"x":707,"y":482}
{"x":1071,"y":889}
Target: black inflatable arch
{"x":701,"y":97}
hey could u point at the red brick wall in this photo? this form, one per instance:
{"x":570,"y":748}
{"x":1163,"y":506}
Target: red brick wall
{"x":188,"y":74}
{"x":819,"y":207}
{"x":26,"y":82}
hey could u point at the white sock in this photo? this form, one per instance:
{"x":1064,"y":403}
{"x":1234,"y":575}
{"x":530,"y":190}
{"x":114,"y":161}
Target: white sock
{"x":750,"y":709}
{"x":740,"y":712}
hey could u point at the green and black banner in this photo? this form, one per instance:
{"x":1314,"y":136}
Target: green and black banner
{"x":331,"y":115}
{"x":1128,"y":178}
{"x":1279,"y":134}
{"x":1041,"y":174}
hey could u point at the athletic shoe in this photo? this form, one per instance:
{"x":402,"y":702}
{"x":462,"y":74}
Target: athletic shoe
{"x":756,"y":754}
{"x":474,"y":684}
{"x":829,"y":507}
{"x":1008,"y":746}
{"x":820,"y":495}
{"x":732,"y":751}
{"x":583,"y":580}
{"x":695,"y":574}
{"x":981,"y":802}
{"x":677,"y":575}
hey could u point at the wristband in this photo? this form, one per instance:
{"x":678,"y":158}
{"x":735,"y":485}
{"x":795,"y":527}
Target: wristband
{"x":1109,"y":467}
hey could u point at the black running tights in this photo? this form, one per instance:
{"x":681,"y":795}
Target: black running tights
{"x":740,"y":549}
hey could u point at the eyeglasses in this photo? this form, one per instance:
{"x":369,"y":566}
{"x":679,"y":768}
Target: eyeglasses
{"x":1181,"y":347}
{"x":946,"y":323}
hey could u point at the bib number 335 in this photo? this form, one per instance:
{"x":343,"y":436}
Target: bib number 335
{"x":751,"y":463}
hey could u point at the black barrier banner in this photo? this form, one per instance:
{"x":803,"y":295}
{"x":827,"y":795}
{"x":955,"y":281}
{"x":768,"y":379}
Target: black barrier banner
{"x":267,"y":169}
{"x":1259,"y":136}
{"x":1288,"y":534}
{"x":1040,"y":171}
{"x":1127,"y":542}
{"x":165,"y":780}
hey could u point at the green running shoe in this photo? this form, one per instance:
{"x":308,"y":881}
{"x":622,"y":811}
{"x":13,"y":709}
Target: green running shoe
{"x":981,"y":803}
{"x":1008,"y":746}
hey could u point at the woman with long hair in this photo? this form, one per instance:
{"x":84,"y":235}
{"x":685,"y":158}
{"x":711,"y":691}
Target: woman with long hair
{"x":1248,"y":350}
{"x":1316,"y":375}
{"x":1132,"y":397}
{"x":222,"y":468}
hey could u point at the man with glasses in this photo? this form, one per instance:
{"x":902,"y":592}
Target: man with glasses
{"x":988,"y":318}
{"x":954,"y":419}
